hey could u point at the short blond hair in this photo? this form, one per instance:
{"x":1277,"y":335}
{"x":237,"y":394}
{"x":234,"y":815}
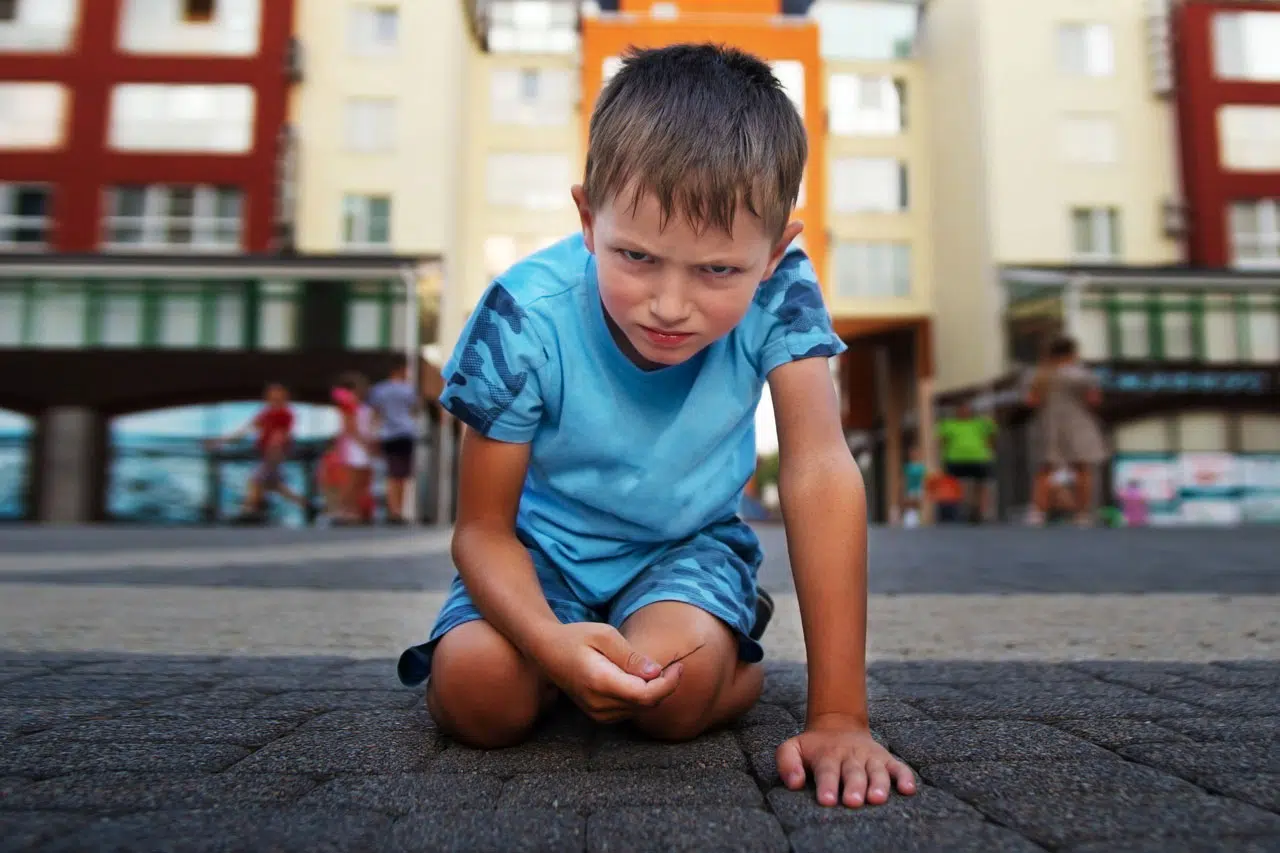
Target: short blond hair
{"x":701,"y":127}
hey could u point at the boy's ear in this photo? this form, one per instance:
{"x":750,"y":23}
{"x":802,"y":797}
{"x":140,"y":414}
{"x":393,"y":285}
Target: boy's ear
{"x":584,"y":216}
{"x":790,"y":233}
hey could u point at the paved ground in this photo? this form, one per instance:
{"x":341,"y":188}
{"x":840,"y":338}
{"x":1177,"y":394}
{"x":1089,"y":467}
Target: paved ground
{"x":1059,"y":690}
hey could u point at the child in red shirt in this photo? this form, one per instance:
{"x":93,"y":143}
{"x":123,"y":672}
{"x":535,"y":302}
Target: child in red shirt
{"x":274,"y":426}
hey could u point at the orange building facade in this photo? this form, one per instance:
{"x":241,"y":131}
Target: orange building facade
{"x":757,"y":26}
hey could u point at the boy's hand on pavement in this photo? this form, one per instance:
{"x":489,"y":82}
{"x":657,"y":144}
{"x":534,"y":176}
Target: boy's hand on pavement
{"x":839,"y":749}
{"x":603,"y":674}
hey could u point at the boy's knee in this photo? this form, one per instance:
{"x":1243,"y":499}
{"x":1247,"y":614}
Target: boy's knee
{"x":482,"y":691}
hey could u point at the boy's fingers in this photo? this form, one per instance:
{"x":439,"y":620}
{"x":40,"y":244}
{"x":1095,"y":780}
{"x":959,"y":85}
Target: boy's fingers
{"x":610,"y":643}
{"x":902,"y":773}
{"x":826,"y":776}
{"x":790,"y":764}
{"x":664,"y":685}
{"x":855,"y":783}
{"x":877,"y":782}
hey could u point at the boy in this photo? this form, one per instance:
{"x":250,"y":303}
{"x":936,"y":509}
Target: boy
{"x":609,"y":386}
{"x":274,"y":425}
{"x":395,"y":404}
{"x":913,"y":475}
{"x":968,"y":453}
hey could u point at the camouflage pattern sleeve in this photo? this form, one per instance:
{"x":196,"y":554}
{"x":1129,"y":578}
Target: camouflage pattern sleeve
{"x":799,"y":325}
{"x":491,"y":382}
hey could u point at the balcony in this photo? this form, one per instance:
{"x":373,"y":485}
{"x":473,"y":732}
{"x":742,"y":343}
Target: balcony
{"x":524,"y":26}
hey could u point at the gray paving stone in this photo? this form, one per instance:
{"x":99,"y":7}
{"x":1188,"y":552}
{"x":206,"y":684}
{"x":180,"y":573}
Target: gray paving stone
{"x":764,"y":766}
{"x":1202,"y":844}
{"x":213,"y":701}
{"x":24,"y":831}
{"x":677,"y":830}
{"x":565,"y":724}
{"x":15,"y":673}
{"x":891,"y":711}
{"x":765,"y":714}
{"x":1062,"y":779}
{"x":343,"y":752}
{"x":308,"y":667}
{"x":106,"y":793}
{"x":1246,"y":701}
{"x":163,"y":729}
{"x":338,"y":700}
{"x":189,"y":667}
{"x":11,"y":784}
{"x":1208,"y":729}
{"x":1259,"y":789}
{"x":715,"y":750}
{"x":107,"y":687}
{"x":413,"y":720}
{"x":532,"y":831}
{"x":1227,"y":676}
{"x":968,"y":672}
{"x":586,"y":792}
{"x":327,"y":680}
{"x":544,"y":757}
{"x":977,"y":740}
{"x":407,"y":793}
{"x":769,"y":737}
{"x":1193,"y":760}
{"x":374,"y":666}
{"x":880,"y":836}
{"x":800,"y":808}
{"x":1112,"y":733}
{"x":1048,"y":707}
{"x":231,"y":830}
{"x":1087,"y":689}
{"x":1152,"y":681}
{"x":42,"y":760}
{"x":784,"y":685}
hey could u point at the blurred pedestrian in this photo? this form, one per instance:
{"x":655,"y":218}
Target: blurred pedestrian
{"x":274,"y":427}
{"x":354,"y":444}
{"x":947,"y":494}
{"x":1065,"y":394}
{"x":968,"y":452}
{"x":913,"y":474}
{"x":394,"y":402}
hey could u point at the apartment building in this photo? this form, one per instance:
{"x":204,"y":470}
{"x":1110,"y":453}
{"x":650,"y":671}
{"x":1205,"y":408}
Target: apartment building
{"x":1100,"y":169}
{"x":148,"y":185}
{"x":536,"y":68}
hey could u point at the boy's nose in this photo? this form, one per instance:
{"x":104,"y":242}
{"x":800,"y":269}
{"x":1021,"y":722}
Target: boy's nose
{"x":668,"y":305}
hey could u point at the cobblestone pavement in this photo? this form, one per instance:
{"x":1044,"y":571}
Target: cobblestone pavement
{"x":1154,"y":731}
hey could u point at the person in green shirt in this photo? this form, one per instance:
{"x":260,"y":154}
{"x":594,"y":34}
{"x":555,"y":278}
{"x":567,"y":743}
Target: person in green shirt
{"x":967,"y":448}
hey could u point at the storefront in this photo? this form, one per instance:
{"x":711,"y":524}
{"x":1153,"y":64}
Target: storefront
{"x":1189,"y":363}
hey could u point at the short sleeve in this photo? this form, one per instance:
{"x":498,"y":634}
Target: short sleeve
{"x":491,"y":381}
{"x":799,"y":325}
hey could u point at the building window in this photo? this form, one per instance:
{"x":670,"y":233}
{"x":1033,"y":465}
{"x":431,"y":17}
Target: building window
{"x":1246,"y":45}
{"x":868,"y":185}
{"x":190,"y":27}
{"x":373,"y":30}
{"x":375,"y":316}
{"x":529,"y":181}
{"x":1090,"y":140}
{"x":1222,"y":322}
{"x":533,"y":26}
{"x":1086,"y":50}
{"x":277,"y":315}
{"x":1249,"y":137}
{"x":197,"y":11}
{"x":790,"y":74}
{"x":611,"y":66}
{"x":24,"y":216}
{"x":1095,"y":235}
{"x":1255,"y":233}
{"x":158,"y":117}
{"x":120,"y":309}
{"x":1131,"y":318}
{"x":1264,"y":328}
{"x":160,"y":217}
{"x":872,"y":270}
{"x":864,"y":105}
{"x":366,"y":221}
{"x":370,"y":125}
{"x":37,"y":26}
{"x":865,"y":29}
{"x":57,"y":315}
{"x":531,"y":96}
{"x":32,"y":115}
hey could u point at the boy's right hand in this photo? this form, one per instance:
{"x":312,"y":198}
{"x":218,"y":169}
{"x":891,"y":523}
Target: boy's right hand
{"x":608,"y":679}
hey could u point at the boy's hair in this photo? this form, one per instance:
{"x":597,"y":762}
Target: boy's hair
{"x":1063,"y":347}
{"x":701,"y":127}
{"x":353,"y":381}
{"x":275,"y":386}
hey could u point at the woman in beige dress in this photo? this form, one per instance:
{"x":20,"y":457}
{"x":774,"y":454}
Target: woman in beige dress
{"x":1066,"y":393}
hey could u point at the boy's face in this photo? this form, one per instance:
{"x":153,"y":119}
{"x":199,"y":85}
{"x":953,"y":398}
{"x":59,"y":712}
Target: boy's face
{"x":670,"y":291}
{"x":276,"y":395}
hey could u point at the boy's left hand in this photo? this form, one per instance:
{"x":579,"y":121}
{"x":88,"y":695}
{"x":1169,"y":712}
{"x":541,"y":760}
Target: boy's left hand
{"x":840,"y":749}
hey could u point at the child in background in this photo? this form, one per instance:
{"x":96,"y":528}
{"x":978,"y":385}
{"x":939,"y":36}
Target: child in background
{"x":947,"y":493}
{"x":913,"y":475}
{"x":1133,"y":504}
{"x":274,"y":426}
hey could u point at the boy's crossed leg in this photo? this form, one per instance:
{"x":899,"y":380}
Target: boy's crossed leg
{"x":484,"y":692}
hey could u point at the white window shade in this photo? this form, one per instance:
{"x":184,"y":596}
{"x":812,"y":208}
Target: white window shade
{"x":1246,"y":45}
{"x":370,"y":125}
{"x":868,"y":185}
{"x":1086,"y":50}
{"x":527,"y":180}
{"x":40,"y":26}
{"x":32,"y":115}
{"x":1249,"y":137}
{"x":531,"y":96}
{"x":187,"y":118}
{"x":160,"y":27}
{"x":865,"y":105}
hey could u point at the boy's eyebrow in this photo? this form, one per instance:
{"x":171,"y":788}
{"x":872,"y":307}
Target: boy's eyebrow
{"x":634,"y":245}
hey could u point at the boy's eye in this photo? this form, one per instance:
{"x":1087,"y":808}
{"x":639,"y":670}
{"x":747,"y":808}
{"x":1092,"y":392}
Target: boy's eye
{"x":720,"y":269}
{"x":630,"y":255}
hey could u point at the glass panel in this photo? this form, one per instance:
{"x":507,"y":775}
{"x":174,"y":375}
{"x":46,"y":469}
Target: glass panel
{"x":229,"y":328}
{"x":1264,"y":335}
{"x":1178,"y":334}
{"x":1092,"y":334}
{"x":1202,"y":432}
{"x":1134,"y":340}
{"x":276,"y":321}
{"x":1220,"y":329}
{"x":364,"y":324}
{"x":59,"y":315}
{"x":1260,"y":433}
{"x":865,"y":29}
{"x":180,"y":316}
{"x":11,"y":301}
{"x":121,"y":317}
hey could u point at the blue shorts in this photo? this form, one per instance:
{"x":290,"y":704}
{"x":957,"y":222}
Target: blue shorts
{"x":715,"y":571}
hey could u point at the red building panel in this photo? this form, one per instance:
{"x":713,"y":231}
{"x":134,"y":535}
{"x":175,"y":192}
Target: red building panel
{"x":85,"y":165}
{"x":1209,"y":186}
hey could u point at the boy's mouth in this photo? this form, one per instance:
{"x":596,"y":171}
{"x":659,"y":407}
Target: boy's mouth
{"x":666,"y":340}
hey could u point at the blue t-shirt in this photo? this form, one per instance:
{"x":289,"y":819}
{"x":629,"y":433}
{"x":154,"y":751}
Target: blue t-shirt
{"x":395,"y":402}
{"x":624,"y":462}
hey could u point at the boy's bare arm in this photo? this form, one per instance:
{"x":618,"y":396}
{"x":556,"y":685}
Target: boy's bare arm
{"x":592,"y":662}
{"x":824,"y":510}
